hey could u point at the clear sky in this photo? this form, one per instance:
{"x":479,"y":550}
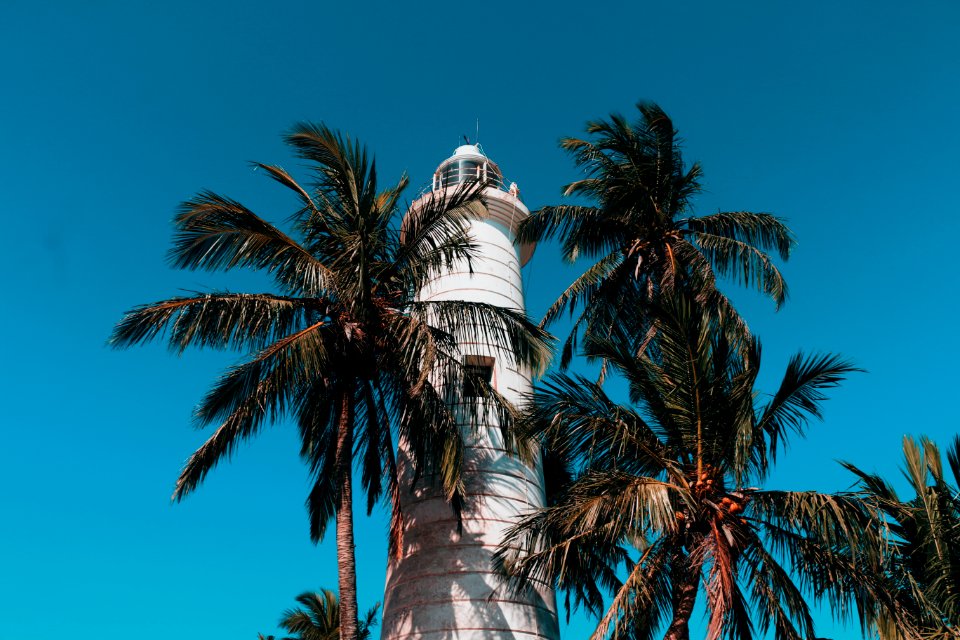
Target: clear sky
{"x":839,"y":116}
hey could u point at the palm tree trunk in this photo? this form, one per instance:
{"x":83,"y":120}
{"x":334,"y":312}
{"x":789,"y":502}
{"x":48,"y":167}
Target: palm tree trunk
{"x":685,"y":580}
{"x":346,"y":555}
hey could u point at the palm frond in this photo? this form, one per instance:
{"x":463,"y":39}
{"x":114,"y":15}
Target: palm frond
{"x":368,"y":623}
{"x":835,"y":519}
{"x":285,"y":179}
{"x":532,"y":553}
{"x":214,"y":233}
{"x":745,"y":263}
{"x":215,"y":320}
{"x":578,"y":422}
{"x":434,"y":235}
{"x":316,"y":418}
{"x":317,"y":618}
{"x":800,"y":396}
{"x":763,"y":231}
{"x":671,"y":471}
{"x":953,"y":459}
{"x":585,"y":288}
{"x":585,"y":231}
{"x":341,"y":169}
{"x":777,"y":601}
{"x":645,"y":594}
{"x":508,"y":332}
{"x":251,"y":393}
{"x":637,"y":215}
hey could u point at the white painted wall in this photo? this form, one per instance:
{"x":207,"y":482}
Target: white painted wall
{"x":443,"y":587}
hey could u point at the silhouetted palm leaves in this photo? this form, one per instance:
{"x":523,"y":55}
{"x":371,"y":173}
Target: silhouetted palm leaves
{"x":640,"y":232}
{"x":650,"y":504}
{"x":665,"y":499}
{"x":318,"y":618}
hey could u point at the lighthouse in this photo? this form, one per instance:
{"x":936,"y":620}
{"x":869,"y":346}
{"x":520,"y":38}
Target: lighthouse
{"x":442,"y":585}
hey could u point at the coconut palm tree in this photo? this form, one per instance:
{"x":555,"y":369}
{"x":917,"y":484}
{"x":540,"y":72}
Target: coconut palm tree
{"x":639,"y":231}
{"x":665,"y":497}
{"x":318,"y":618}
{"x":343,"y":347}
{"x":922,"y":569}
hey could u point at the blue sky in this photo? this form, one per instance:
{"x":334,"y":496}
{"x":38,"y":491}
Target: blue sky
{"x":840,"y":117}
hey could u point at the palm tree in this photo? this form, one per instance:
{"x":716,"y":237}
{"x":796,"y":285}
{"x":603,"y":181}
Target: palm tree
{"x":639,"y":231}
{"x":922,"y":569}
{"x":343,"y":347}
{"x":664,"y":499}
{"x":318,"y":618}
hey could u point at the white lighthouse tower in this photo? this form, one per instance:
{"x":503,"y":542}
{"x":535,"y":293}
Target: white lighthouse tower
{"x":442,"y":587}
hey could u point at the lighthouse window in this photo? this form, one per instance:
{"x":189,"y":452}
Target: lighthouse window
{"x":457,"y":171}
{"x":460,"y":171}
{"x":469,"y":170}
{"x":477,"y":376}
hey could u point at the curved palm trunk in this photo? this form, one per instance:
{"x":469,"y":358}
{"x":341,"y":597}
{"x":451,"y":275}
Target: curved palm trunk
{"x":685,"y":580}
{"x":346,"y":556}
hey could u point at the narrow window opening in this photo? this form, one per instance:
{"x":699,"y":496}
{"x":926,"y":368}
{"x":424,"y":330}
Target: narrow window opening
{"x":477,"y":376}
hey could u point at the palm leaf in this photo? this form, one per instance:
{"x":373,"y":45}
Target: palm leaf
{"x":217,"y":233}
{"x":747,"y":264}
{"x":763,"y":231}
{"x":235,"y":320}
{"x":800,"y":396}
{"x":251,"y":393}
{"x":508,"y":332}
